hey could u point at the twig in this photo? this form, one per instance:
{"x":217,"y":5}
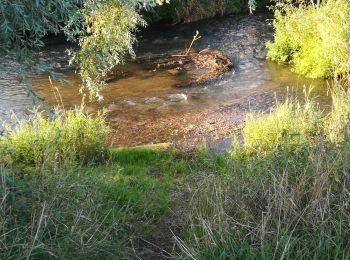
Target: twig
{"x":195,"y":38}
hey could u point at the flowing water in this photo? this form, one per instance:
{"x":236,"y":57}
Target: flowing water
{"x":148,"y":105}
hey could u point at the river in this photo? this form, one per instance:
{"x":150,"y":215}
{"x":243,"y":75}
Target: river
{"x":147,"y":106}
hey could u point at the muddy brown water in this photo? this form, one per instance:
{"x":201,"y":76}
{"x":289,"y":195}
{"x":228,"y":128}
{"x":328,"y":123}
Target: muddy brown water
{"x":148,"y":106}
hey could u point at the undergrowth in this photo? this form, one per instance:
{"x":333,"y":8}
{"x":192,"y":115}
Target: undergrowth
{"x":193,"y":10}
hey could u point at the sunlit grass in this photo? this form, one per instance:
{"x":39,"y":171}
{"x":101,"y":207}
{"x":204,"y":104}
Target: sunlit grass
{"x":276,"y":196}
{"x":50,"y":143}
{"x":289,"y":123}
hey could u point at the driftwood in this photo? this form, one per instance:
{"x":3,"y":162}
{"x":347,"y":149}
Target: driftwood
{"x":198,"y":66}
{"x":201,"y":65}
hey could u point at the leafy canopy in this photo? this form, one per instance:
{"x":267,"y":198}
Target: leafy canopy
{"x":104,"y":30}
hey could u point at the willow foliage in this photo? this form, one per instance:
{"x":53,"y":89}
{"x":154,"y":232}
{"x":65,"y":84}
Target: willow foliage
{"x":104,"y":30}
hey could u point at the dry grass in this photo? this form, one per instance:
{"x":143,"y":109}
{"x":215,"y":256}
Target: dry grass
{"x":287,"y":199}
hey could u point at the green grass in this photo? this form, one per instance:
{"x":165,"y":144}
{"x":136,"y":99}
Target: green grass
{"x":289,"y":123}
{"x":65,"y":194}
{"x":281,"y":192}
{"x":274,"y":197}
{"x":87,"y":212}
{"x":66,"y":139}
{"x":314,"y":40}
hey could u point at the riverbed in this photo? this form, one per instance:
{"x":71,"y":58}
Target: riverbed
{"x":149,"y":106}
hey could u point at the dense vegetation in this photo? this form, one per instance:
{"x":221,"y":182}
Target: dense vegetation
{"x":104,"y":30}
{"x":85,"y":21}
{"x":282,"y":194}
{"x":282,"y":191}
{"x":64,"y":139}
{"x":315,"y":40}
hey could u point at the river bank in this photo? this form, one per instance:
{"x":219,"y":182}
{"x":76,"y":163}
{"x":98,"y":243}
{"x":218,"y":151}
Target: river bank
{"x":153,"y":202}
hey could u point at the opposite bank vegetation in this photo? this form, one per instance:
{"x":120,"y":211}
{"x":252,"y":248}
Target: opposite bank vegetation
{"x":282,"y":191}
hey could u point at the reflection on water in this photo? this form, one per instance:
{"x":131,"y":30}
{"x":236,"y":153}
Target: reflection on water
{"x":148,"y":103}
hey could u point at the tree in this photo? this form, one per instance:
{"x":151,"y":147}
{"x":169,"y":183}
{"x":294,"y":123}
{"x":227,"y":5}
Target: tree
{"x":104,"y":30}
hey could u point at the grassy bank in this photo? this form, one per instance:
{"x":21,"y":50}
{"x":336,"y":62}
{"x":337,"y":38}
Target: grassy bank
{"x":65,"y":195}
{"x":281,"y":192}
{"x":87,"y":212}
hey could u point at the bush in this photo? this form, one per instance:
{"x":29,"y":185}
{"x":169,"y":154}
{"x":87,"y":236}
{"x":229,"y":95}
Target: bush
{"x":314,"y":40}
{"x":69,"y":137}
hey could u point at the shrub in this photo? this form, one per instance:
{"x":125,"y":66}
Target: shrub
{"x":314,"y":40}
{"x":69,"y":137}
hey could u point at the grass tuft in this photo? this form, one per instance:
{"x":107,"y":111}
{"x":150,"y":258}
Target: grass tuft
{"x":276,"y":196}
{"x":42,"y":143}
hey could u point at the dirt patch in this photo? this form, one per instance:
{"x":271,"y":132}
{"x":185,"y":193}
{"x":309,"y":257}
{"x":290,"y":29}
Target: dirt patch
{"x":188,"y":129}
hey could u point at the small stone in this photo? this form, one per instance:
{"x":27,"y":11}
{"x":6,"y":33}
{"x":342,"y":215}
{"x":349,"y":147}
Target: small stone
{"x":130,"y":103}
{"x":112,"y":107}
{"x":89,"y":109}
{"x":177,"y":97}
{"x":173,"y":72}
{"x":153,"y":100}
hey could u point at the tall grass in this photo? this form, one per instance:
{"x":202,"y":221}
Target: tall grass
{"x":41,"y":143}
{"x":86,"y":212}
{"x":193,"y":10}
{"x":314,"y":40}
{"x":289,"y":123}
{"x":288,"y":200}
{"x":337,"y":122}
